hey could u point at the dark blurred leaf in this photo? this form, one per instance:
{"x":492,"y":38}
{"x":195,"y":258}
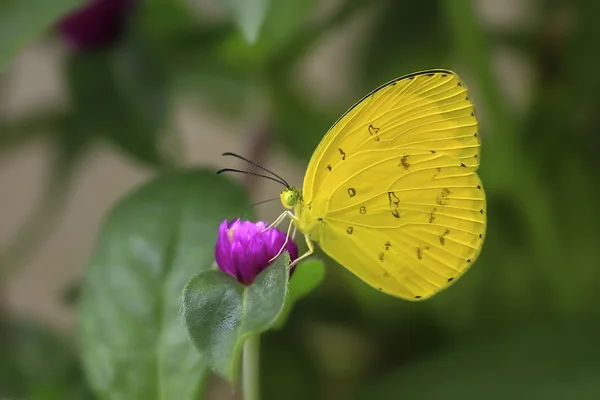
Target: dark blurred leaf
{"x":28,"y":349}
{"x":299,"y":125}
{"x":287,"y":367}
{"x":407,"y":36}
{"x":545,"y":363}
{"x":164,"y":21}
{"x":122,"y":96}
{"x":221,"y":314}
{"x":21,"y":21}
{"x":284,"y":20}
{"x":134,"y":343}
{"x":249,"y":15}
{"x":307,"y":276}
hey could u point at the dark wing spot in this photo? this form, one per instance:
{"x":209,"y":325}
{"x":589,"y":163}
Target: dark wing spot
{"x":387,"y":245}
{"x":478,"y":186}
{"x":475,"y":135}
{"x":404,"y":162}
{"x":481,"y":211}
{"x":430,"y":74}
{"x":386,"y":274}
{"x":419,"y":253}
{"x":380,"y":288}
{"x":432,"y":216}
{"x":442,"y":199}
{"x":444,"y":75}
{"x":463,"y":165}
{"x":350,"y":230}
{"x":475,"y":156}
{"x":381,"y":256}
{"x":363,"y":210}
{"x":329,"y":167}
{"x":352,"y":192}
{"x":469,"y":260}
{"x":373,"y":132}
{"x":443,"y":237}
{"x":450,"y":279}
{"x":417,"y":297}
{"x":433,"y":151}
{"x":320,"y":219}
{"x":459,"y":84}
{"x":480,"y":236}
{"x":342,"y":154}
{"x":394,"y":203}
{"x":472,"y":114}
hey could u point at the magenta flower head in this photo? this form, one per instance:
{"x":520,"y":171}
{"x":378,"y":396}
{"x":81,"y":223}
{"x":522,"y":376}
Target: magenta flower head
{"x":243,"y":251}
{"x":96,"y":25}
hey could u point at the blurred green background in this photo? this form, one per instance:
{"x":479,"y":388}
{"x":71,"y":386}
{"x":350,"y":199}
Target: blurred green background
{"x":133,"y":90}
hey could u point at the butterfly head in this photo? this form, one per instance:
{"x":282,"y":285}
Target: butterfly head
{"x":290,"y":197}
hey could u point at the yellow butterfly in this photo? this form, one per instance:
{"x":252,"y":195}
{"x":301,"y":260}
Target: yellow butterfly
{"x":391,"y":192}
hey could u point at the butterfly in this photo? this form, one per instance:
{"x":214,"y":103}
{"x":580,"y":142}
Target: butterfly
{"x":391,"y":192}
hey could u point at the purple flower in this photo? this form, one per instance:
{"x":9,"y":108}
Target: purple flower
{"x":96,"y":25}
{"x":243,"y":251}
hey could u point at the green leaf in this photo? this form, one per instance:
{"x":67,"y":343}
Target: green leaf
{"x":21,"y":21}
{"x":133,"y":341}
{"x":27,"y":349}
{"x":546,"y":362}
{"x":220,"y":313}
{"x":307,"y":276}
{"x":123,"y":97}
{"x":249,"y":16}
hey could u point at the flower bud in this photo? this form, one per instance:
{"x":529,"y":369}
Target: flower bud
{"x":243,"y":250}
{"x":95,"y":25}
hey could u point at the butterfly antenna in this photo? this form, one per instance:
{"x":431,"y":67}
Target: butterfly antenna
{"x":239,"y":171}
{"x":265,"y":201}
{"x":257,"y":166}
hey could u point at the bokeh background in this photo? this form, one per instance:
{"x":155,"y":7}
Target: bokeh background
{"x":94,"y":103}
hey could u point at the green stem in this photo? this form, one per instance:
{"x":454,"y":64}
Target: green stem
{"x":250,"y":369}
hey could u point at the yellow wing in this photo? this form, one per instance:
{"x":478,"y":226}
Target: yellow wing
{"x":391,"y":191}
{"x":429,"y":110}
{"x":410,"y":233}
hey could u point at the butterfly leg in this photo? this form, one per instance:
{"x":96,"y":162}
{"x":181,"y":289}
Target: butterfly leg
{"x":287,"y":237}
{"x":279,"y":219}
{"x":311,"y":249}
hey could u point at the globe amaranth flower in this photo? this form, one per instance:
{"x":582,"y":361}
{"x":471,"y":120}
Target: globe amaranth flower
{"x":243,"y":250}
{"x":96,"y":25}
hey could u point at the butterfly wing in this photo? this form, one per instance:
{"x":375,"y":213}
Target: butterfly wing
{"x":429,"y":110}
{"x":410,"y":233}
{"x":394,"y":186}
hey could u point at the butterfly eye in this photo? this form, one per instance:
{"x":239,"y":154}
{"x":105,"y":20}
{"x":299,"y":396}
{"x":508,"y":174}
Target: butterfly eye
{"x":289,"y":198}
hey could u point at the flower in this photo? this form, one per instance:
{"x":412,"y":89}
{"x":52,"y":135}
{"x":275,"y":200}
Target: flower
{"x":243,"y":251}
{"x":98,"y":24}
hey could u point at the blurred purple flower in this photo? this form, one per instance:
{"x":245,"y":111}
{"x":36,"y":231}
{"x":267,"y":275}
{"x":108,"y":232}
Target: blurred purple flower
{"x":243,"y":252}
{"x":97,"y":24}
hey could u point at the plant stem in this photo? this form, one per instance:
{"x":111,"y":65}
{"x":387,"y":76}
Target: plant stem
{"x":250,"y":368}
